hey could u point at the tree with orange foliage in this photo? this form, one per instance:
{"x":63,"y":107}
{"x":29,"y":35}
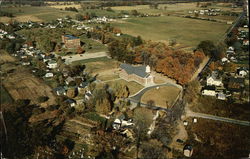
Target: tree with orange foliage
{"x":80,"y":50}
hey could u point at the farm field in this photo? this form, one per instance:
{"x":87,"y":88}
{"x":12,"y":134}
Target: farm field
{"x":185,"y":31}
{"x":222,"y":140}
{"x":23,"y":85}
{"x":36,"y":13}
{"x":161,"y":96}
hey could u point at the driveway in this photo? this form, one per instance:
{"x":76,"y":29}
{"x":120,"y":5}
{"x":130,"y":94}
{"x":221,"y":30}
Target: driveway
{"x":71,"y":58}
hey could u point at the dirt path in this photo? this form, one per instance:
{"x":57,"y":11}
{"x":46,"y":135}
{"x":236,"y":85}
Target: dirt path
{"x":201,"y":66}
{"x":181,"y":134}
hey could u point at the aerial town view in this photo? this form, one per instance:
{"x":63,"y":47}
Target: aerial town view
{"x":124,"y":79}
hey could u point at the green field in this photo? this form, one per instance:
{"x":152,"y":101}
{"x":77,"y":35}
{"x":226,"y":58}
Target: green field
{"x":185,"y":31}
{"x":4,"y":96}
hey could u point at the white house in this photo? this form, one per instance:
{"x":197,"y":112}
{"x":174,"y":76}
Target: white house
{"x":221,"y":96}
{"x":224,"y":60}
{"x":121,"y":122}
{"x":49,"y":75}
{"x":52,"y":64}
{"x":70,"y":102}
{"x":213,"y":80}
{"x":208,"y":92}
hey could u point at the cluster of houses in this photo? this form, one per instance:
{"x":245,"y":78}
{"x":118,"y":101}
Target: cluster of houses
{"x":230,"y":56}
{"x":209,"y":12}
{"x":243,"y":35}
{"x":224,"y":86}
{"x":100,"y":20}
{"x":5,"y":34}
{"x":243,"y":38}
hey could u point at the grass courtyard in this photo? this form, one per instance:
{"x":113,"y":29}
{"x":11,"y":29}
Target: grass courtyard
{"x":161,"y":96}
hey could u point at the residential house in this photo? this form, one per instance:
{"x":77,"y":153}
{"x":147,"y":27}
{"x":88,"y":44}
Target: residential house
{"x":224,"y":60}
{"x":236,"y":84}
{"x":71,"y":41}
{"x":188,"y":150}
{"x":70,"y":102}
{"x":120,"y":122}
{"x":221,"y":96}
{"x":209,"y":91}
{"x":139,"y":74}
{"x":69,"y":80}
{"x":49,"y":74}
{"x":52,"y":64}
{"x":60,"y":91}
{"x":242,"y":72}
{"x":214,"y":79}
{"x":88,"y":95}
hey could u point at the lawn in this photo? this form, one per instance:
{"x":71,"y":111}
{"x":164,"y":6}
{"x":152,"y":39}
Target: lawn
{"x":161,"y":96}
{"x":133,"y":86}
{"x":98,"y":64}
{"x":185,"y":31}
{"x":5,"y":97}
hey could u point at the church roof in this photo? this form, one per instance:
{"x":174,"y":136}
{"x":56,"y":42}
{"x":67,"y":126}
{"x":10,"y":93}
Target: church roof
{"x":137,"y":70}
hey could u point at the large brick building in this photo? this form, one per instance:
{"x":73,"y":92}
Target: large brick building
{"x":71,"y":42}
{"x":139,"y":74}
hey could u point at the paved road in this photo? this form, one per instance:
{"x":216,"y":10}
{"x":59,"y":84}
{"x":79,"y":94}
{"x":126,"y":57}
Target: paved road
{"x":218,"y":118}
{"x":71,"y":58}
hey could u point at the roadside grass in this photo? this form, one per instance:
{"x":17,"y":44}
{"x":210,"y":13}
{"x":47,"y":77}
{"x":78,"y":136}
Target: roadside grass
{"x":161,"y":96}
{"x":133,"y":86}
{"x":185,"y":31}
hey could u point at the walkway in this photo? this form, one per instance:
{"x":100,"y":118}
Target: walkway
{"x":218,"y":118}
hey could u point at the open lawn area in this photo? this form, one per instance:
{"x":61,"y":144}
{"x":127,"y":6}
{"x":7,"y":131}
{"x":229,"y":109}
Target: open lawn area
{"x":161,"y":96}
{"x":185,"y":31}
{"x":98,"y":65}
{"x":105,"y":68}
{"x":133,"y":86}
